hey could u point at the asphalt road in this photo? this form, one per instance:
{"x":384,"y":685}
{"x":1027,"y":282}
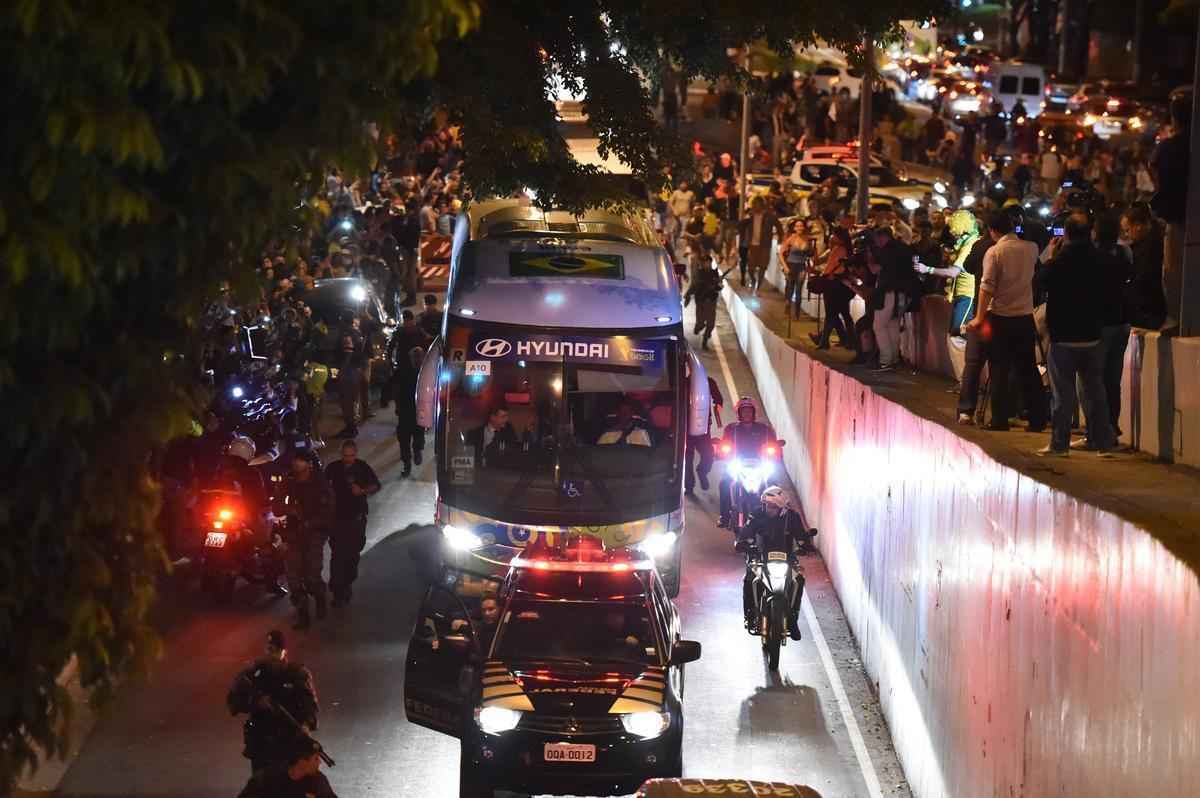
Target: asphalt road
{"x":170,"y":735}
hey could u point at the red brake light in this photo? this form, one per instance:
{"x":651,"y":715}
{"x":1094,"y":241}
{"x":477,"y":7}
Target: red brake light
{"x":225,"y":514}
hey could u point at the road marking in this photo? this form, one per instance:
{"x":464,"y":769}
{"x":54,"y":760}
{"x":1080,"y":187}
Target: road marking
{"x":835,"y":680}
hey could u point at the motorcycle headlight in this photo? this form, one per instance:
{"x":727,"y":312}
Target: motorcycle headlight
{"x":462,"y":539}
{"x":735,"y":467}
{"x":659,"y":545}
{"x":752,"y":478}
{"x":646,"y":725}
{"x":777,"y":571}
{"x":496,"y":720}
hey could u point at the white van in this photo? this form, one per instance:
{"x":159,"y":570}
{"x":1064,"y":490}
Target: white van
{"x":1019,"y":80}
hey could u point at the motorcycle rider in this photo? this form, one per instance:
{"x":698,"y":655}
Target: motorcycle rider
{"x":746,"y":438}
{"x":260,"y":691}
{"x":775,"y":526}
{"x":235,"y":473}
{"x":307,"y":507}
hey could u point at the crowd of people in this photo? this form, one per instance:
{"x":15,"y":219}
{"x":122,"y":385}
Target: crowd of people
{"x":1056,"y":284}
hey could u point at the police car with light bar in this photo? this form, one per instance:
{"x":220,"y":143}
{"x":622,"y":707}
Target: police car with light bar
{"x":575,"y":685}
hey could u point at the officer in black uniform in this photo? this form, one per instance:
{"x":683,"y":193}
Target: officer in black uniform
{"x":352,"y":481}
{"x":264,"y":689}
{"x":298,"y":777}
{"x":307,"y":509}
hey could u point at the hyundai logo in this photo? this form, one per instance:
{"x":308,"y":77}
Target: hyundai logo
{"x":493,"y":347}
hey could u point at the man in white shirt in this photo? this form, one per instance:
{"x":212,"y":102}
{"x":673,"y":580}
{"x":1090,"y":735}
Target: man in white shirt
{"x":1006,"y":321}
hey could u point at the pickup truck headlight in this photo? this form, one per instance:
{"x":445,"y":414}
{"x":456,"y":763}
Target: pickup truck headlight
{"x":646,"y":725}
{"x":496,"y":720}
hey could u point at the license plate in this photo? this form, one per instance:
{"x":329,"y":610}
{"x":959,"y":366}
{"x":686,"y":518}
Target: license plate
{"x":569,"y":752}
{"x":215,"y":540}
{"x":776,"y":556}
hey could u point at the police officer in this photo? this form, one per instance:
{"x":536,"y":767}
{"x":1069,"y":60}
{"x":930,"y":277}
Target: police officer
{"x":264,"y":689}
{"x":746,"y":438}
{"x":307,"y":508}
{"x":352,"y":480}
{"x":775,"y":526}
{"x":409,"y":435}
{"x":299,"y":776}
{"x":706,"y":288}
{"x":702,"y":444}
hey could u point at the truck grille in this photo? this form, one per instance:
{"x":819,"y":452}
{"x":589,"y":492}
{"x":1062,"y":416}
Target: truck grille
{"x":569,"y":726}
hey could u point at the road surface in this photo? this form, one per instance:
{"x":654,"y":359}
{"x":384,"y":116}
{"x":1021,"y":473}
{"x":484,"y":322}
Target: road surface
{"x":171,"y":735}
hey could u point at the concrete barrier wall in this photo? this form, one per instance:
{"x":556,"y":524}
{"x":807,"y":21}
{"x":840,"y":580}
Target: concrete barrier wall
{"x":1023,"y":642}
{"x":1160,"y":397}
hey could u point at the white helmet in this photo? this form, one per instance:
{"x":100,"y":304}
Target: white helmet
{"x":242,"y":447}
{"x":776,"y":497}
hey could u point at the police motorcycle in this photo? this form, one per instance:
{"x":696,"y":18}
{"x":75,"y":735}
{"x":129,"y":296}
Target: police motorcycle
{"x":238,"y":542}
{"x":750,"y":474}
{"x":777,"y":581}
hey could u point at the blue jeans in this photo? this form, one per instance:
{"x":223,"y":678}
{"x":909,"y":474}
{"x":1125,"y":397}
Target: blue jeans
{"x":1065,"y":364}
{"x":961,"y":312}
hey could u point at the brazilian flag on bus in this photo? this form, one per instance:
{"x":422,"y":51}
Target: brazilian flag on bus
{"x":566,"y":264}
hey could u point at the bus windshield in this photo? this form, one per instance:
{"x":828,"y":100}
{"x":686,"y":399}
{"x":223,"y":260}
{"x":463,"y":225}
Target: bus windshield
{"x":571,"y":429}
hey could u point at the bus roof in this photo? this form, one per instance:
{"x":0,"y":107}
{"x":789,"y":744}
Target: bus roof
{"x":513,"y":263}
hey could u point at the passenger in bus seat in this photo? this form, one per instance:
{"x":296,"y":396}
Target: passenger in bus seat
{"x":624,"y":427}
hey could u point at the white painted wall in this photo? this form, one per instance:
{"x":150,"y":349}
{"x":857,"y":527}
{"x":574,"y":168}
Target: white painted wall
{"x":1023,"y":642}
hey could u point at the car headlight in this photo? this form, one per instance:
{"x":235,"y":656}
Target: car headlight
{"x":459,"y":538}
{"x":646,"y":724}
{"x":910,"y":204}
{"x":497,"y":720}
{"x":777,"y":571}
{"x":660,"y":544}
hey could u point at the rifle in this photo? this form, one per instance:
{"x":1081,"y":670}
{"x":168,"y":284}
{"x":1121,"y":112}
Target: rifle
{"x":299,"y":727}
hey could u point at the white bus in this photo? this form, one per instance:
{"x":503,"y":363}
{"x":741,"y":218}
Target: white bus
{"x":562,"y":389}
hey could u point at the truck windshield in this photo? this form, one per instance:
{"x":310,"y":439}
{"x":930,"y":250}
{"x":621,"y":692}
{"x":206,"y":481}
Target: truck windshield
{"x":590,"y":631}
{"x":571,"y":429}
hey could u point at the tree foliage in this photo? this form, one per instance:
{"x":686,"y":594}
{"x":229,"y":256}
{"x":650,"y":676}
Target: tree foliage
{"x":152,"y":148}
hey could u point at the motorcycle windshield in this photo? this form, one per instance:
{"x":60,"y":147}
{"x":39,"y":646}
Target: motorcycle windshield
{"x":562,"y":429}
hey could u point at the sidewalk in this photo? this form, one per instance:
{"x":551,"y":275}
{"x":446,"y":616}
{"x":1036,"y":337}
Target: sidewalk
{"x":1163,"y":499}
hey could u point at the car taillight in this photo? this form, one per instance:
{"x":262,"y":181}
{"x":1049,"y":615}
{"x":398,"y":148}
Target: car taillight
{"x":225,"y":515}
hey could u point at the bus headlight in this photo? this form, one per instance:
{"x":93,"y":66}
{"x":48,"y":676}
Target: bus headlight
{"x":496,"y":720}
{"x":660,"y":544}
{"x":646,"y":725}
{"x":459,"y":538}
